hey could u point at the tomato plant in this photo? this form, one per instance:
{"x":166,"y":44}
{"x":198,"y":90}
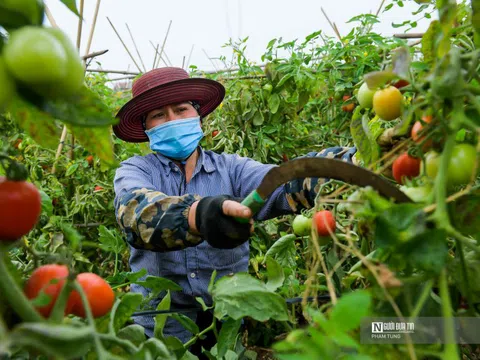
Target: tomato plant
{"x":20,"y":206}
{"x":99,"y":294}
{"x":302,"y":225}
{"x":387,"y":103}
{"x":47,"y":279}
{"x":405,"y":167}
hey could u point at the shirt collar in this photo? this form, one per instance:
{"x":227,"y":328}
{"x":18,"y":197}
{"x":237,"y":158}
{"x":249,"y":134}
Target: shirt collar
{"x":203,"y":160}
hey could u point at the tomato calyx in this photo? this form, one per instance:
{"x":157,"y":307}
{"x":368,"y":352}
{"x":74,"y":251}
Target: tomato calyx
{"x":14,"y":170}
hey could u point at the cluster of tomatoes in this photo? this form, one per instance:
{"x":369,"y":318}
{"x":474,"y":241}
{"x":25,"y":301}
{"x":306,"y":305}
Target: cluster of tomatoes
{"x":322,"y":222}
{"x":50,"y":280}
{"x":36,"y":59}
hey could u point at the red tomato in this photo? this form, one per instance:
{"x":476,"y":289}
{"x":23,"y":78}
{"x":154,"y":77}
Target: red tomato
{"x":324,"y":220}
{"x":98,"y":188}
{"x":417,"y":131}
{"x":99,"y":294}
{"x":401,"y":83}
{"x":348,"y":107}
{"x":214,"y":133}
{"x":89,"y":159}
{"x":20,"y":208}
{"x":405,"y":166}
{"x":48,"y":279}
{"x":284,"y":157}
{"x":17,"y":143}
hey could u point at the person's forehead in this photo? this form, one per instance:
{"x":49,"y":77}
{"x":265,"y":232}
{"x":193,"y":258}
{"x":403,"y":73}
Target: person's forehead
{"x":174,"y":104}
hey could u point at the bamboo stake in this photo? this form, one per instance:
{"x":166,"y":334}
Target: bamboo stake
{"x":113,"y":71}
{"x":164,"y":41}
{"x":161,"y":57}
{"x":94,"y":54}
{"x":50,"y":17}
{"x":409,"y":36}
{"x":92,"y":28}
{"x":166,"y":56}
{"x":189,"y":56}
{"x":214,"y":66}
{"x":155,"y":57}
{"x":335,"y":30}
{"x":136,"y":49}
{"x":183,"y":63}
{"x":122,"y":78}
{"x":125,"y":46}
{"x":79,"y":41}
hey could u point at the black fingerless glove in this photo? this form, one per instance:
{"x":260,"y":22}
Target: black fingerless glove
{"x":220,"y":230}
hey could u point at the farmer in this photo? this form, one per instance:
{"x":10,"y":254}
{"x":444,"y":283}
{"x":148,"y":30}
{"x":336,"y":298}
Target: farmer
{"x":176,"y":204}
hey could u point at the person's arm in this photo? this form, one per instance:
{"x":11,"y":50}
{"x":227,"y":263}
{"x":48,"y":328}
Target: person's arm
{"x":150,"y":219}
{"x":291,"y":197}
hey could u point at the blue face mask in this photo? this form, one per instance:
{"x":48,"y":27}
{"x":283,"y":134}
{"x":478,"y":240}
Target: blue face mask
{"x":176,"y":139}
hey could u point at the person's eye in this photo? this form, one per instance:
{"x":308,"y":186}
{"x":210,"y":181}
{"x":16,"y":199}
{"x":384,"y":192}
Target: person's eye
{"x":157,"y":115}
{"x":182,"y":109}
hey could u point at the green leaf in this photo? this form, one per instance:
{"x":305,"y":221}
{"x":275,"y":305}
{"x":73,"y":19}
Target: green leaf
{"x":258,"y":118}
{"x":157,"y":284}
{"x":134,"y":333}
{"x":464,"y":214}
{"x":72,"y":169}
{"x":187,"y":323}
{"x":109,"y":241}
{"x":428,"y":42}
{"x":376,"y":79}
{"x":284,"y":79}
{"x":275,"y":274}
{"x":242,"y":295}
{"x":47,"y":206}
{"x":347,"y":314}
{"x":227,"y":336}
{"x":367,"y":147}
{"x":57,"y":340}
{"x":38,"y":124}
{"x":274,"y":103}
{"x":284,"y":251}
{"x":85,"y":109}
{"x":161,"y":319}
{"x":122,"y":312}
{"x":429,"y":251}
{"x":71,"y":4}
{"x":156,"y":349}
{"x":97,"y":140}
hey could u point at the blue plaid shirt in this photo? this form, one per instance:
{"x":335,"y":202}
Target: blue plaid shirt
{"x":152,"y":201}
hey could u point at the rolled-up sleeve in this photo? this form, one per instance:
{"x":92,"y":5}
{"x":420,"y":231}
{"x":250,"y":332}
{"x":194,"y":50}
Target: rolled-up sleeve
{"x":150,"y":219}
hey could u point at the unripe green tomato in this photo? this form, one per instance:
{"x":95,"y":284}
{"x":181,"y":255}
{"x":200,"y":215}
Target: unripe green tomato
{"x":432,"y":162}
{"x":35,"y":57}
{"x":302,"y":225}
{"x":461,"y":164}
{"x":365,"y":96}
{"x":18,"y":13}
{"x":74,"y":79}
{"x":267,"y":87}
{"x":7,"y":85}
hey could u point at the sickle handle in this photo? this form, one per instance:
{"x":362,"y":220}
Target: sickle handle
{"x":254,"y":201}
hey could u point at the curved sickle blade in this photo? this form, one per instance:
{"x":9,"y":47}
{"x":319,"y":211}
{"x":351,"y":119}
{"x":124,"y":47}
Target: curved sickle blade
{"x":328,"y":168}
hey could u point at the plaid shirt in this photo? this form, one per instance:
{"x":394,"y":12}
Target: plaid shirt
{"x":152,"y":202}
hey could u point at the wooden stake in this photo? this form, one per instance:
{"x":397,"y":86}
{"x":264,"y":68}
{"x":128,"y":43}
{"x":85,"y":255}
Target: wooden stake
{"x":409,"y":36}
{"x":92,"y":28}
{"x":113,"y":71}
{"x":161,"y":57}
{"x":183,"y":63}
{"x":136,"y":49}
{"x":94,"y":54}
{"x":214,"y":66}
{"x":125,"y":46}
{"x":189,"y":56}
{"x":335,"y":30}
{"x":155,"y":57}
{"x":50,"y":18}
{"x":164,"y":41}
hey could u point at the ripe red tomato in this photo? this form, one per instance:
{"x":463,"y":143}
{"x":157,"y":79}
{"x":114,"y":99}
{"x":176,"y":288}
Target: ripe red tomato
{"x":348,"y":107}
{"x":401,"y":83}
{"x":48,"y":279}
{"x":387,"y":103}
{"x":214,"y":133}
{"x":20,"y":208}
{"x":417,"y":129}
{"x":405,"y":166}
{"x":98,"y":188}
{"x":324,"y":220}
{"x":99,"y":294}
{"x":89,"y":159}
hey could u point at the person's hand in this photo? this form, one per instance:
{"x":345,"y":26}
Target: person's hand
{"x":213,"y":218}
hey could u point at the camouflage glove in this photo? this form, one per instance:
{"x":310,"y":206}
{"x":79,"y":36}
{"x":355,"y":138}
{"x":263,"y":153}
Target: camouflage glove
{"x":220,"y":230}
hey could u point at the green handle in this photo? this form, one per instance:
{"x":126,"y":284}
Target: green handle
{"x":254,"y":201}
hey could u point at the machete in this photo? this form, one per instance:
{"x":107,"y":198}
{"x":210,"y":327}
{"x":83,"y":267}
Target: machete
{"x":321,"y":168}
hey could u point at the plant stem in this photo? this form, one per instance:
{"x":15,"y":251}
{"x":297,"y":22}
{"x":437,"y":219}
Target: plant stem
{"x":14,"y":295}
{"x":467,"y":288}
{"x":116,"y":264}
{"x":421,"y":300}
{"x":450,"y":351}
{"x":126,"y":344}
{"x":197,"y":336}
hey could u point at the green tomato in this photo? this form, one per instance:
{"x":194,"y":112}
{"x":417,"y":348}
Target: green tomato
{"x":302,"y":225}
{"x":461,"y":164}
{"x":432,"y":162}
{"x":267,"y":87}
{"x":7,"y":88}
{"x":74,"y":80}
{"x":417,"y":194}
{"x":34,"y":56}
{"x":365,"y":96}
{"x":18,"y":13}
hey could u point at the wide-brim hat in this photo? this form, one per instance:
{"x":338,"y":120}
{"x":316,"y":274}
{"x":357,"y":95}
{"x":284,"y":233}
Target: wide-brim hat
{"x":161,"y":87}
